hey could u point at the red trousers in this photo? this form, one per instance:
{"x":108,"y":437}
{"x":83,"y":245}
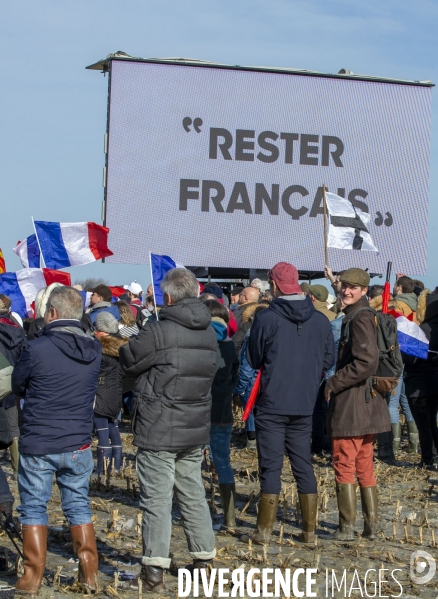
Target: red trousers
{"x":354,"y":456}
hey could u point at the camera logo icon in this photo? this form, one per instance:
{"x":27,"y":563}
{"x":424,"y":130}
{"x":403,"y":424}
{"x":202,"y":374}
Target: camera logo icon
{"x":423,"y":567}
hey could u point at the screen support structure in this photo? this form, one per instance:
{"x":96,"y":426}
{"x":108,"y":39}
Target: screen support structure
{"x":106,"y":69}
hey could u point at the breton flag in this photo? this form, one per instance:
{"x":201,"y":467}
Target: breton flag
{"x":412,"y":338}
{"x":29,"y":252}
{"x":160,"y":266}
{"x":22,"y":286}
{"x":2,"y":263}
{"x":348,"y":228}
{"x":72,"y":244}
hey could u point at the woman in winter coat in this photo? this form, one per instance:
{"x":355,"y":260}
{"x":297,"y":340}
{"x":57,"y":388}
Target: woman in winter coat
{"x":222,"y":411}
{"x":127,"y":326}
{"x":108,"y":400}
{"x":247,"y":374}
{"x":421,"y":381}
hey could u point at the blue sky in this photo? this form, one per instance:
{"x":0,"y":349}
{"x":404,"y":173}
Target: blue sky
{"x":53,"y":112}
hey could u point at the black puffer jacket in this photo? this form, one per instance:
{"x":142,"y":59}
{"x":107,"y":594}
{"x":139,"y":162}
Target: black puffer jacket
{"x":175,"y":360}
{"x":109,"y":384}
{"x":12,"y":338}
{"x":421,"y":376}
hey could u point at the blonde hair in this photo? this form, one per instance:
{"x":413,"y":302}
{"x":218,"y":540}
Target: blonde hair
{"x":127,"y":318}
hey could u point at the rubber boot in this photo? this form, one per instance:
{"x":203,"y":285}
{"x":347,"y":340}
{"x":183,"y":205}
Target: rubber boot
{"x":414,"y":439}
{"x":35,"y":551}
{"x":15,"y":457}
{"x":103,"y":453}
{"x":347,"y":506}
{"x":84,"y":547}
{"x":368,"y":497}
{"x":309,"y":506}
{"x":396,"y":437}
{"x":228,"y":498}
{"x":266,"y":516}
{"x":116,"y":455}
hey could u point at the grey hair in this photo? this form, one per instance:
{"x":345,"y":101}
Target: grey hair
{"x":258,"y":284}
{"x":67,"y":302}
{"x":180,"y":283}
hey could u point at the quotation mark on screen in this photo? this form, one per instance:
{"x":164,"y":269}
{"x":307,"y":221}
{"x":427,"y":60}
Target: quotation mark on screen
{"x":380,"y":220}
{"x":197,"y":122}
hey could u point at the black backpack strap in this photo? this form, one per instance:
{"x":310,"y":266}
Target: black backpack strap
{"x":346,"y":336}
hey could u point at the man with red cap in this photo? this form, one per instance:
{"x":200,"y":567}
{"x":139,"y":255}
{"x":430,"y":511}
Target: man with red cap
{"x":293,"y":344}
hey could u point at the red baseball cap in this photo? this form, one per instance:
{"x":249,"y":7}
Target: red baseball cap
{"x":286,"y":277}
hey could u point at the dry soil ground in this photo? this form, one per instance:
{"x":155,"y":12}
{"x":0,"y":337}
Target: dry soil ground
{"x":408,"y":519}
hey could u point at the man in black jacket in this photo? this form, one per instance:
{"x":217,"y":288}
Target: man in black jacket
{"x":293,"y":344}
{"x":174,"y":361}
{"x":12,"y":338}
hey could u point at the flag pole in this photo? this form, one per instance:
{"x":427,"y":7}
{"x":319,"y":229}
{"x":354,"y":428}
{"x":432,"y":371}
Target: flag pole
{"x":42,"y":261}
{"x":153,"y":284}
{"x":325,"y":225}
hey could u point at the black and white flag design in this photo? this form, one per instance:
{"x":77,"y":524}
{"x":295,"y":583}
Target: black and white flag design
{"x":348,"y":226}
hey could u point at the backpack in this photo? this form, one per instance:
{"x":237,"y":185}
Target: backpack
{"x":6,"y":370}
{"x":390,"y":366}
{"x":142,"y":316}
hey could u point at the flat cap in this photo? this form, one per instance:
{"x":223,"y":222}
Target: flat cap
{"x":355,"y":276}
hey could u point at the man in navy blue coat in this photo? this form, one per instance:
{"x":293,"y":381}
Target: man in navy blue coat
{"x":57,"y":376}
{"x":293,"y":344}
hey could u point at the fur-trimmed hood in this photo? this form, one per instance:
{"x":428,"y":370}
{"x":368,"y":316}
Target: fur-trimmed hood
{"x":427,"y":307}
{"x":111,"y":344}
{"x":250,"y":309}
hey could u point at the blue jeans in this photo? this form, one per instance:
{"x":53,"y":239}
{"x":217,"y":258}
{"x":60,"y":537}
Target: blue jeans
{"x":398,"y":396}
{"x":35,"y":479}
{"x":220,"y":439}
{"x":250,"y":422}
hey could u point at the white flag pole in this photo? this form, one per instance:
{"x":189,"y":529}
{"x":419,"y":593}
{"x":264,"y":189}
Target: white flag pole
{"x":42,"y":261}
{"x":325,"y":225}
{"x":153,"y":285}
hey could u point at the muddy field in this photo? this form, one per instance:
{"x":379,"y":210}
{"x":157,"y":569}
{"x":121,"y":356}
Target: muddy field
{"x":409,"y":522}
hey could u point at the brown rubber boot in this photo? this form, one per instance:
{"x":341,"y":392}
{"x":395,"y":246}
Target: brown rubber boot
{"x":84,"y":547}
{"x":266,"y":516}
{"x":368,"y":497}
{"x":35,"y":551}
{"x":309,"y":506}
{"x":228,"y":498}
{"x":347,"y":506}
{"x":414,"y":439}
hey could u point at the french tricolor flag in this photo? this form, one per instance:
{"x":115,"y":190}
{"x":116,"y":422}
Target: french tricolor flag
{"x":160,"y":266}
{"x":22,"y":286}
{"x":29,"y":252}
{"x":412,"y":339}
{"x":71,"y":244}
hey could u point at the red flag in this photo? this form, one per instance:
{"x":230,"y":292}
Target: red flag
{"x":2,"y":263}
{"x":252,"y":396}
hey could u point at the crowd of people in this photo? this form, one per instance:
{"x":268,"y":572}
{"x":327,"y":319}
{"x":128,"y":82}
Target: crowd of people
{"x":177,"y":370}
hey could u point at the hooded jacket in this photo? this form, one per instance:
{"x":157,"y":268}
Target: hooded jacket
{"x":94,"y":310}
{"x":174,"y":361}
{"x":421,"y":376}
{"x":12,"y":338}
{"x":293,"y":344}
{"x":225,"y":379}
{"x":57,"y":376}
{"x":108,"y":401}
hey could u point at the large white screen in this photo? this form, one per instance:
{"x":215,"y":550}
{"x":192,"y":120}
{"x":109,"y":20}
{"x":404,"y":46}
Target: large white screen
{"x":286,"y":136}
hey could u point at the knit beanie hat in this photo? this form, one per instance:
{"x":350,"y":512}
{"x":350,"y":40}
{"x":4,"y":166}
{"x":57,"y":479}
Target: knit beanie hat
{"x":106,"y":323}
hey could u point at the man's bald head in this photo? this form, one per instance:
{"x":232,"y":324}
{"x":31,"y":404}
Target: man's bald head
{"x":249,"y":294}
